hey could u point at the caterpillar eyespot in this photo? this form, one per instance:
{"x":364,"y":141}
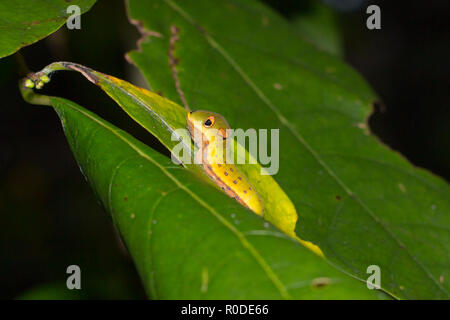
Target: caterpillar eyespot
{"x":209,"y":122}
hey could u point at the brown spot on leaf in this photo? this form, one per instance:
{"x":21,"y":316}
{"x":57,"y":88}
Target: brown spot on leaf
{"x":174,"y":61}
{"x":320,"y":282}
{"x":378,"y":106}
{"x":277,"y":86}
{"x":200,"y":28}
{"x":145,"y":33}
{"x":362,"y":125}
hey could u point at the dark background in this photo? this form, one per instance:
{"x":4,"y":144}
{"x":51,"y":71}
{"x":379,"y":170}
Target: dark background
{"x":50,"y":218}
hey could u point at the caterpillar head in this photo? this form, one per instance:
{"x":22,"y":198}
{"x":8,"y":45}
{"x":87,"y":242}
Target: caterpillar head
{"x":208,"y":124}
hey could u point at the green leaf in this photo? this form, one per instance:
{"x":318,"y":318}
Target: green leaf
{"x":25,"y":22}
{"x":188,"y":240}
{"x":52,"y":291}
{"x":162,"y":117}
{"x":359,"y":201}
{"x":110,"y":284}
{"x":318,"y":25}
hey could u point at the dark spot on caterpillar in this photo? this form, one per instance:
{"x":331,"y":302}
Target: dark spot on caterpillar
{"x":239,"y":178}
{"x":219,"y":165}
{"x":245,"y":191}
{"x":209,"y":167}
{"x":228,"y":188}
{"x":250,"y":188}
{"x":338,"y":197}
{"x":237,"y":198}
{"x":231,"y":169}
{"x":235,"y":182}
{"x":225,"y":173}
{"x":160,"y":93}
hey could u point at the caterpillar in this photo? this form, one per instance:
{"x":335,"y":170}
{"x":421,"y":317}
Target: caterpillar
{"x":208,"y":130}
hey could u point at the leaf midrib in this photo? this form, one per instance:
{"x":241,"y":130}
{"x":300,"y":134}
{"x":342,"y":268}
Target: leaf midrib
{"x":300,"y":138}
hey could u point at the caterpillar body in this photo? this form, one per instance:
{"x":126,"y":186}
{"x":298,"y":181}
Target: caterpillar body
{"x":208,"y":130}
